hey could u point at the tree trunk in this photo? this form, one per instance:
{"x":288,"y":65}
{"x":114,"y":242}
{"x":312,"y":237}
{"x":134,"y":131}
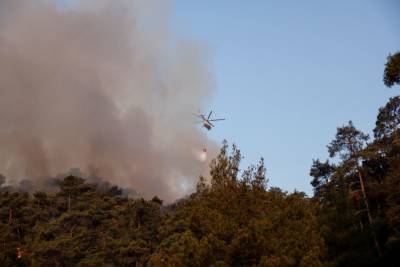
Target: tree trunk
{"x":360,"y":176}
{"x":71,"y":232}
{"x":10,"y":215}
{"x":69,"y":201}
{"x":361,"y":225}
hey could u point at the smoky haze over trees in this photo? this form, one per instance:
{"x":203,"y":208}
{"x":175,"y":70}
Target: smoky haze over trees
{"x":234,"y":219}
{"x":104,"y":86}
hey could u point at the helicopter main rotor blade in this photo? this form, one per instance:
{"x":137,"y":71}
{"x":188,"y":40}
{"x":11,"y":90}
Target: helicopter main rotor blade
{"x":217,"y":120}
{"x":209,"y":115}
{"x":200,"y":116}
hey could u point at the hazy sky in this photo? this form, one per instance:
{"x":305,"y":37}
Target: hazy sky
{"x":288,"y":73}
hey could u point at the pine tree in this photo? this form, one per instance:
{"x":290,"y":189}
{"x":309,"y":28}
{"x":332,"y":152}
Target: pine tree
{"x":392,"y":70}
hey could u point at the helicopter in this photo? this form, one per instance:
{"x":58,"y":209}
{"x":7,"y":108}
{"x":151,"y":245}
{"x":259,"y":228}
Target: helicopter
{"x":206,"y":121}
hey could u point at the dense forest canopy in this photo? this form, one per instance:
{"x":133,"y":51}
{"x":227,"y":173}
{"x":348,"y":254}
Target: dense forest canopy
{"x":234,"y":219}
{"x":358,"y":197}
{"x":231,"y":222}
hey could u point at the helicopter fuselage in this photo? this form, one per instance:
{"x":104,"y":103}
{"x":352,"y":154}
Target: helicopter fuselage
{"x":207,"y":125}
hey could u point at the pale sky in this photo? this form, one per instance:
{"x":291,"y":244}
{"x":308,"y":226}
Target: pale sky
{"x":289,"y":72}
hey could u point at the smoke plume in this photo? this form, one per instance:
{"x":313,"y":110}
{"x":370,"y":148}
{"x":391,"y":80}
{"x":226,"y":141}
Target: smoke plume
{"x":104,"y":85}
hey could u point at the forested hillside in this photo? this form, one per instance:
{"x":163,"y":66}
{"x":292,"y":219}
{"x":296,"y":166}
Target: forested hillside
{"x":357,"y":194}
{"x":235,"y":219}
{"x":232,"y":222}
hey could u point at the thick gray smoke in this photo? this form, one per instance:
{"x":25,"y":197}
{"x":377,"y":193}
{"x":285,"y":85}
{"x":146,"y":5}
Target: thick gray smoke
{"x":100,"y":84}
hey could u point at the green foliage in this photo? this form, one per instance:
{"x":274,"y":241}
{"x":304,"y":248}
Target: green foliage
{"x":348,"y":142}
{"x":97,"y":229}
{"x":388,"y":120}
{"x":358,"y":198}
{"x":391,"y":74}
{"x":236,"y":221}
{"x":232,"y":220}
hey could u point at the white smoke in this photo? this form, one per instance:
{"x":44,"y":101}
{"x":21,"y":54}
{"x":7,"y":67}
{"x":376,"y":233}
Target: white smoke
{"x":104,"y":84}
